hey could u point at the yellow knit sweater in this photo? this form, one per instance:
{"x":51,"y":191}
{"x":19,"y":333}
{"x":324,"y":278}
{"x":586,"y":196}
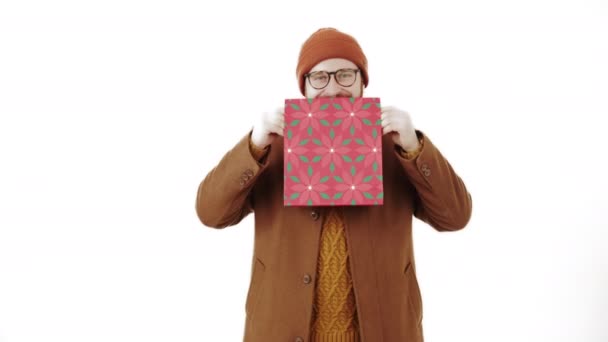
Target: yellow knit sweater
{"x":334,"y":309}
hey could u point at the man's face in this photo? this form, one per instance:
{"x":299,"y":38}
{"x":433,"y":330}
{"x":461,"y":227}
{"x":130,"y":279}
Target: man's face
{"x":333,"y":88}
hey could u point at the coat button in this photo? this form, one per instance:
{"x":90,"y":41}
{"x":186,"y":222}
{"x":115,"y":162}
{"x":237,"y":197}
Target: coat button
{"x":307,"y":278}
{"x":425,"y":170}
{"x":314,"y":214}
{"x":299,"y":339}
{"x":249,"y":173}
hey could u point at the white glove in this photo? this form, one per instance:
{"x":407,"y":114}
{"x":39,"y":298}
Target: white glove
{"x":400,"y":123}
{"x":268,"y":126}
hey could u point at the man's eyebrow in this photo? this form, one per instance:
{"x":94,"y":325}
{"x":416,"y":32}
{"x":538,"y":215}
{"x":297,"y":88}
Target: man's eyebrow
{"x":312,"y":72}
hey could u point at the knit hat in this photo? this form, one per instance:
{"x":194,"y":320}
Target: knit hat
{"x":329,"y":43}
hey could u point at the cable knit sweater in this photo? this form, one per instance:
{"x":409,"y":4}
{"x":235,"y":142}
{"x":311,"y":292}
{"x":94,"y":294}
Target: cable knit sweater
{"x":334,"y":309}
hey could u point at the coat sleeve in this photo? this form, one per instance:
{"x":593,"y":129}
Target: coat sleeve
{"x":442,"y":200}
{"x":223,"y":198}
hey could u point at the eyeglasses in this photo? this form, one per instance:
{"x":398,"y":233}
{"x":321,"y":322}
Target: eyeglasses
{"x":320,"y":79}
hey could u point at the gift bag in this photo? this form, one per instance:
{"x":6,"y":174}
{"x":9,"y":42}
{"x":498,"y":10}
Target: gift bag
{"x":332,"y":152}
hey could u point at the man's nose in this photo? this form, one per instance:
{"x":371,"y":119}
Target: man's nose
{"x":332,"y":89}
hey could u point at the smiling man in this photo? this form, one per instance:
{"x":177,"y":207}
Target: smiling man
{"x":334,"y":273}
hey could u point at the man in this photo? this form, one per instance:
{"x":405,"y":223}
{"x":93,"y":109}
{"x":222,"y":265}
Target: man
{"x":334,"y":273}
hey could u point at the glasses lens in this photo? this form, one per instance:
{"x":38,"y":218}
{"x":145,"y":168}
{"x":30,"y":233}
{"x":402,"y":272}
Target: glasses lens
{"x":346,"y":77}
{"x":318,"y":79}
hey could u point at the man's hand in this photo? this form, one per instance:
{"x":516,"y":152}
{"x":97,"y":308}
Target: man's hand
{"x":268,"y":126}
{"x":400,"y":124}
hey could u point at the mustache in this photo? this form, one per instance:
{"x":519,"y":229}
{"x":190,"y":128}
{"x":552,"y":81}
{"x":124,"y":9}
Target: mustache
{"x":341,"y":93}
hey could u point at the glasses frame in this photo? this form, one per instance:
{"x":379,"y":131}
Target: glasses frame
{"x":334,"y":73}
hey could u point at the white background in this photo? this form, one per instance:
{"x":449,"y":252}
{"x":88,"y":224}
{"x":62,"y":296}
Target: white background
{"x":112,"y":112}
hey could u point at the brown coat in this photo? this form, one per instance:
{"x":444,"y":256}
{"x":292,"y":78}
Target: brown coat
{"x":379,"y":238}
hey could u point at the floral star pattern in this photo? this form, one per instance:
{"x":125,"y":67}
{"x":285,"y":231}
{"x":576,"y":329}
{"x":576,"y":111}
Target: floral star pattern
{"x":332,"y":152}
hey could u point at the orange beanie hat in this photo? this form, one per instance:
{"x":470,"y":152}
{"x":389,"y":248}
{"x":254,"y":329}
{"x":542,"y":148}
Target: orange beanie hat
{"x":329,"y":43}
